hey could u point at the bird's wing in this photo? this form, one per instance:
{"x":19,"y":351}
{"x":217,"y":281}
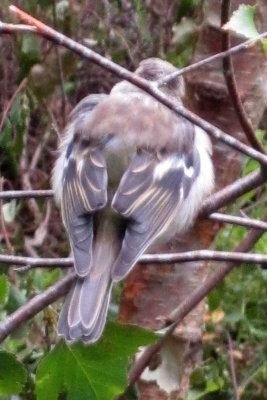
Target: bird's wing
{"x":149,"y":195}
{"x":84,"y":190}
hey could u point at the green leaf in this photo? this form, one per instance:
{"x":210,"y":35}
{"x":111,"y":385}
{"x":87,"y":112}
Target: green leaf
{"x":29,"y":54}
{"x":260,"y":333}
{"x":3,"y":288}
{"x":13,"y":375}
{"x":16,"y":298}
{"x":242,"y":21}
{"x":212,"y":386}
{"x":95,"y":372}
{"x":194,"y":394}
{"x":9,"y":211}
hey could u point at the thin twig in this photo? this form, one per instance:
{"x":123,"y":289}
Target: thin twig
{"x":35,"y":305}
{"x":231,"y":192}
{"x":21,"y":86}
{"x":16,"y":28}
{"x":211,"y":204}
{"x":213,"y":199}
{"x":59,"y":289}
{"x":25,"y":194}
{"x":177,"y":315}
{"x":20,"y":28}
{"x":229,"y":76}
{"x":233,"y":50}
{"x":243,"y":221}
{"x":232,"y":366}
{"x":51,"y":34}
{"x":168,"y":258}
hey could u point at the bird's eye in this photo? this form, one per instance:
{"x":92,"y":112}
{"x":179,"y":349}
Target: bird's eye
{"x":85,"y":143}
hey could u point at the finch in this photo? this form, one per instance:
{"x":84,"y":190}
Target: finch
{"x":130,"y":173}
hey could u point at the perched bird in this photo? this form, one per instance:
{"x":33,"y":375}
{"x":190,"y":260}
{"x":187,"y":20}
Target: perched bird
{"x":130,"y":172}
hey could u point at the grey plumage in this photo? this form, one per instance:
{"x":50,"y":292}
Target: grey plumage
{"x":127,"y":168}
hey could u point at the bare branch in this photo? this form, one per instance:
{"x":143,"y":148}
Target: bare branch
{"x":35,"y":305}
{"x":24,"y":194}
{"x":59,"y":289}
{"x":51,"y":34}
{"x":232,"y":219}
{"x":229,"y":76}
{"x":231,"y":192}
{"x":215,"y":57}
{"x":20,"y":28}
{"x":212,"y":203}
{"x":16,"y":28}
{"x":168,"y":258}
{"x":36,"y":262}
{"x":190,"y":303}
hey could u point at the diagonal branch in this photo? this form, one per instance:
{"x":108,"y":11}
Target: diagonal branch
{"x":35,"y":305}
{"x":231,"y":192}
{"x":177,"y":315}
{"x":51,"y":34}
{"x":230,"y":51}
{"x":229,"y":76}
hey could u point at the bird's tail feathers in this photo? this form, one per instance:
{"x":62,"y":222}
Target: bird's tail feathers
{"x":85,"y":310}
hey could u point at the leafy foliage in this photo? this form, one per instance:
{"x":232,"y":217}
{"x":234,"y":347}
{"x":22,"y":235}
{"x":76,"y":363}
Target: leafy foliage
{"x":95,"y":372}
{"x":3,"y":288}
{"x":237,"y":307}
{"x":242,"y":22}
{"x":12,"y":374}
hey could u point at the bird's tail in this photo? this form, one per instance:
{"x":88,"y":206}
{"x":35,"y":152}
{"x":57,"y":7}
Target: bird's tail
{"x":85,"y":310}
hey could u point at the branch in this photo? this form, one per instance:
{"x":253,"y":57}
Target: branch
{"x":168,"y":258}
{"x":232,"y":192}
{"x":177,"y":315}
{"x":228,"y":71}
{"x":59,"y":289}
{"x":51,"y":34}
{"x":35,"y":305}
{"x":25,"y":194}
{"x":212,"y":203}
{"x":20,"y":28}
{"x":231,"y":219}
{"x":16,"y":28}
{"x":215,"y":57}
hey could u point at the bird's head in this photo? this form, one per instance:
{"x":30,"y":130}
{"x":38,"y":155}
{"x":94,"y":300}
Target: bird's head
{"x":155,"y":69}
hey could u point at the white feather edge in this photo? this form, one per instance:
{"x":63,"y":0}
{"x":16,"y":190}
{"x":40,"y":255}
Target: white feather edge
{"x":60,"y":163}
{"x":201,"y":188}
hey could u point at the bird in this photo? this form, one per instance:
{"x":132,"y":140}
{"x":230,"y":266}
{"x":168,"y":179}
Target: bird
{"x":130,"y":174}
